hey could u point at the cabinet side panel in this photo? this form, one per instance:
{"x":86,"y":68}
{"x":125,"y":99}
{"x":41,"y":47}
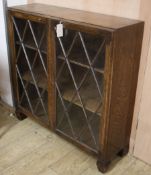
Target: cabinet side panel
{"x":137,"y":53}
{"x":12,"y":59}
{"x":126,"y":58}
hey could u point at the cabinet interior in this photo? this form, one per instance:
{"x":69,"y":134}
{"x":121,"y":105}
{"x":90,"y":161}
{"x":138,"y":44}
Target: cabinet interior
{"x":31,"y":64}
{"x":80,"y":59}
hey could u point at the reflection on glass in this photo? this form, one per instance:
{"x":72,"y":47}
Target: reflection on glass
{"x":79,"y":81}
{"x":31,"y":66}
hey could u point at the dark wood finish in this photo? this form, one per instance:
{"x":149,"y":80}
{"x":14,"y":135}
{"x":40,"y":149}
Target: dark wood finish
{"x":95,"y":30}
{"x":138,"y":31}
{"x":52,"y":72}
{"x":28,"y":16}
{"x":123,"y":40}
{"x":123,"y":72}
{"x":12,"y":60}
{"x":125,"y":62}
{"x":107,"y":22}
{"x":103,"y":161}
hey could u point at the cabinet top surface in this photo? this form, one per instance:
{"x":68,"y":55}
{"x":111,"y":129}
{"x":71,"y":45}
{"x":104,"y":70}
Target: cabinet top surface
{"x":61,"y":13}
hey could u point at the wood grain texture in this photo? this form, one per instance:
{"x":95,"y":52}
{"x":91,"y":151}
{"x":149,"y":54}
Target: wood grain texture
{"x":124,"y":82}
{"x":52,"y":74}
{"x":96,"y":19}
{"x":12,"y":59}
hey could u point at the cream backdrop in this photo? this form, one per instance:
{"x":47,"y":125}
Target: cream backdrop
{"x":138,"y":9}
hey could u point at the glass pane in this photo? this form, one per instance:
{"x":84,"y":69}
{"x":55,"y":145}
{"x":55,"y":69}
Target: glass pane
{"x":31,"y":65}
{"x":79,"y":83}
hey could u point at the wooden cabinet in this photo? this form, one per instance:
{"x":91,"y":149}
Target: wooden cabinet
{"x":81,"y":85}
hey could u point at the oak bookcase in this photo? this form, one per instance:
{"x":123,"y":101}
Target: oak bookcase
{"x":81,"y":85}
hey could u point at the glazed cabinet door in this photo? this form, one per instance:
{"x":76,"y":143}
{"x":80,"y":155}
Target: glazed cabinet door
{"x":80,"y":62}
{"x":29,"y":62}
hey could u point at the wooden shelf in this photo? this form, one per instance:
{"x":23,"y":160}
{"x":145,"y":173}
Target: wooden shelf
{"x":40,"y":78}
{"x":88,"y":89}
{"x":31,"y":46}
{"x":81,"y":64}
{"x":90,"y":98}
